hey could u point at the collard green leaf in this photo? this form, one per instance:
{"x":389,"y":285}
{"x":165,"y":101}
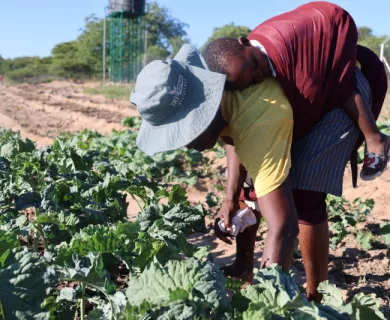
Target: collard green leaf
{"x":275,"y":294}
{"x":258,"y":311}
{"x":187,"y":219}
{"x":178,"y":195}
{"x":307,"y":312}
{"x":25,"y":280}
{"x":148,"y":216}
{"x":117,"y":240}
{"x":68,"y":294}
{"x":179,"y":310}
{"x":65,"y":221}
{"x":211,"y":199}
{"x":202,"y":281}
{"x":8,"y":240}
{"x":113,"y":307}
{"x":203,"y":253}
{"x":174,"y":240}
{"x":340,"y":233}
{"x":335,"y":313}
{"x":89,"y":270}
{"x":385,"y":232}
{"x":331,"y":295}
{"x":366,"y":307}
{"x":365,"y":239}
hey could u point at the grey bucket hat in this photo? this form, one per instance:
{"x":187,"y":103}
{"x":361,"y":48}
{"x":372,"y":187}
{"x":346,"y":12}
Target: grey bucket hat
{"x":177,"y":99}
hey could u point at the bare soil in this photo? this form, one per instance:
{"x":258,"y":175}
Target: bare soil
{"x":40,"y":112}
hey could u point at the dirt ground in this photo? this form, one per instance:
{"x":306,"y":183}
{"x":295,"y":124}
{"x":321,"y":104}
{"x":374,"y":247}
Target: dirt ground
{"x":40,"y":112}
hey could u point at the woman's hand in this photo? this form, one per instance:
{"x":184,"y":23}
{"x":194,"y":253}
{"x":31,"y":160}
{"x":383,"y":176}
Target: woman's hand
{"x":226,"y":213}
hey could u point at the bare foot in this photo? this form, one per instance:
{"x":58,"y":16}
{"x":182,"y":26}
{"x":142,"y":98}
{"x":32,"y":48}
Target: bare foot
{"x":376,"y":144}
{"x":240,"y":273}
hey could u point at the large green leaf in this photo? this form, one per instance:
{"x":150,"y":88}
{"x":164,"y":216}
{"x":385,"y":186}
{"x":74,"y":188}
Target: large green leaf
{"x":366,"y":307}
{"x":175,"y":241}
{"x":277,"y":296}
{"x":365,"y":239}
{"x":275,"y":289}
{"x":186,"y":218}
{"x":190,"y":279}
{"x":117,"y":240}
{"x":88,"y":270}
{"x":111,"y":308}
{"x":180,"y":216}
{"x":64,"y":220}
{"x":385,"y":232}
{"x":331,"y":295}
{"x":25,"y":280}
{"x":8,"y":240}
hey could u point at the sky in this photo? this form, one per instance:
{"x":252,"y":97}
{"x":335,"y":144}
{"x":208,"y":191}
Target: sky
{"x":29,"y":28}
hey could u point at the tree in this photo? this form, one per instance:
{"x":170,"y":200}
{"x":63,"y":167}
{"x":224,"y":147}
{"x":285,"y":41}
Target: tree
{"x":369,"y":40}
{"x":90,"y":43}
{"x":68,"y":61}
{"x":162,"y":27}
{"x":176,"y":43}
{"x":228,"y":30}
{"x":165,"y":33}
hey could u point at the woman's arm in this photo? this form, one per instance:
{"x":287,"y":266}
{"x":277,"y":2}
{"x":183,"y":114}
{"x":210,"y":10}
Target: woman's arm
{"x":236,"y":178}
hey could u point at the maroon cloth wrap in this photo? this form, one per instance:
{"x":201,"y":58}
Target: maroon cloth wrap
{"x":313,"y":51}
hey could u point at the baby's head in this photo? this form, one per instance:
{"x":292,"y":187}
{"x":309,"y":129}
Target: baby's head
{"x":242,"y":63}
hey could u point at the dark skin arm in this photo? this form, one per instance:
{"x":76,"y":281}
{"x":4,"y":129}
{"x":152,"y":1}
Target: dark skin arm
{"x":236,"y":177}
{"x":277,"y":208}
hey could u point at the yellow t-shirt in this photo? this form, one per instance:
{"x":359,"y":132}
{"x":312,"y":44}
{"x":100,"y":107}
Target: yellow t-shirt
{"x":260,"y":121}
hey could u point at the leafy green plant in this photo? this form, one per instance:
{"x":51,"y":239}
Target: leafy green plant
{"x":366,"y":240}
{"x":212,"y":199}
{"x":132,"y":122}
{"x":193,"y":287}
{"x":385,"y":232}
{"x":345,"y":215}
{"x":277,"y":296}
{"x":66,"y":249}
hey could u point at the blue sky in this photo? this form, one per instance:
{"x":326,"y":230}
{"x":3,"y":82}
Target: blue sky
{"x":34,"y":27}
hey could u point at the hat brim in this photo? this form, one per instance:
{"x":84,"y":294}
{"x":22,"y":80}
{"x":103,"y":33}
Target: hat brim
{"x":198,"y":116}
{"x":190,"y":55}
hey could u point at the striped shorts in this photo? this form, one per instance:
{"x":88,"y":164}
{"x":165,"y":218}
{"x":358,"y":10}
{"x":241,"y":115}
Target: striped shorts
{"x":319,"y":159}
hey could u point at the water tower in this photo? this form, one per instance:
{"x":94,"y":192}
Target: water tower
{"x":126,"y":39}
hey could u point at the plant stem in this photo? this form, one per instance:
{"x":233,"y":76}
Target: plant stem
{"x":82,"y":303}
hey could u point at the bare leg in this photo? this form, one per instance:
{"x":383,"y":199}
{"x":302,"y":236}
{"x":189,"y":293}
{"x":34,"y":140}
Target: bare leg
{"x":313,"y":238}
{"x":242,"y":267}
{"x":314,"y":246}
{"x":279,"y":212}
{"x":361,"y":114}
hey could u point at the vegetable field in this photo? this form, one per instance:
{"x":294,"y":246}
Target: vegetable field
{"x":91,"y":228}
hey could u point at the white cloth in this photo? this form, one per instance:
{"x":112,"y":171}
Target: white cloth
{"x":243,"y":219}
